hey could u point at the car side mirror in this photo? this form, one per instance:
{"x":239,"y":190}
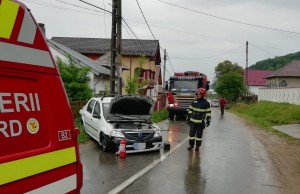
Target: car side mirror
{"x":97,"y":116}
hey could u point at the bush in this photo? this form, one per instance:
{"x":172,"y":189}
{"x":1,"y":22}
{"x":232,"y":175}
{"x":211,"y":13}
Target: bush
{"x":83,"y":137}
{"x":159,"y":115}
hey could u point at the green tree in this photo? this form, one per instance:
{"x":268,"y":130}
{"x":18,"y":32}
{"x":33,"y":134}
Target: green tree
{"x":227,"y":67}
{"x":230,"y":85}
{"x":276,"y":62}
{"x":133,"y":85}
{"x":75,"y":79}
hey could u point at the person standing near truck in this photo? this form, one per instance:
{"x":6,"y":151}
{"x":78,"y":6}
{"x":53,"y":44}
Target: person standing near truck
{"x":199,"y":117}
{"x":222,"y":105}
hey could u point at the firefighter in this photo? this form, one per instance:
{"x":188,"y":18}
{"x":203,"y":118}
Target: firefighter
{"x":199,"y":116}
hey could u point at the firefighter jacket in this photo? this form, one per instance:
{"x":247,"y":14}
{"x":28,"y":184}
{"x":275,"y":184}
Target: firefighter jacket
{"x":199,"y":110}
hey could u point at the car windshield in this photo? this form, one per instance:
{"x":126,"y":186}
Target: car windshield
{"x":184,"y":85}
{"x":105,"y":108}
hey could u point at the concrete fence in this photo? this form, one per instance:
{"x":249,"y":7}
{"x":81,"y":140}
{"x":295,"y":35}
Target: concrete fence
{"x":288,"y":95}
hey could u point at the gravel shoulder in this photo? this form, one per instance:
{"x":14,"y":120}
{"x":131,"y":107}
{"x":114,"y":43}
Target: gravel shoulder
{"x":285,"y":156}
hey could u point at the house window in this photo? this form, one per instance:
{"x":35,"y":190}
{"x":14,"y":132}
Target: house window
{"x":283,"y":83}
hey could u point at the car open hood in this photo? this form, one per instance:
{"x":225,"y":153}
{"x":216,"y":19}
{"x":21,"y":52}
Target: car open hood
{"x":130,"y":107}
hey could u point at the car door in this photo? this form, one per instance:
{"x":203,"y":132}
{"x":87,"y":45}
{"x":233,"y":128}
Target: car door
{"x":87,"y":117}
{"x":95,"y":120}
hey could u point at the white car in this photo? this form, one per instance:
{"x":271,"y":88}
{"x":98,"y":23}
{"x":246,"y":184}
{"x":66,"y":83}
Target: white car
{"x":215,"y":103}
{"x":110,"y":119}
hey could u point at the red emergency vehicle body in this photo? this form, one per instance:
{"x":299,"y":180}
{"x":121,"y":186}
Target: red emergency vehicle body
{"x":38,"y":140}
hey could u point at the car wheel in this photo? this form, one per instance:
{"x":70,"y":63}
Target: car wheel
{"x":105,"y":146}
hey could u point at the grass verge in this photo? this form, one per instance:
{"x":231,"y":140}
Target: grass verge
{"x":83,"y":137}
{"x":267,"y":114}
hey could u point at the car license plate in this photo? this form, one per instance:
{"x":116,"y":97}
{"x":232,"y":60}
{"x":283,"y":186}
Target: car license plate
{"x":139,"y":146}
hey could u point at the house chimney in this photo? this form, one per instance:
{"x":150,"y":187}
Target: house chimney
{"x":42,"y":27}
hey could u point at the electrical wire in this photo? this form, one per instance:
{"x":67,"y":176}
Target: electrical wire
{"x":63,"y":8}
{"x":189,"y":58}
{"x":145,"y":19}
{"x":261,"y":49}
{"x":230,"y":20}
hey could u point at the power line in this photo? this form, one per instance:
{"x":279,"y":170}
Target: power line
{"x":134,"y":35}
{"x":63,"y":8}
{"x":145,"y":19}
{"x":93,"y":6}
{"x":189,"y":58}
{"x":170,"y":62}
{"x":262,"y":49}
{"x":231,"y":20}
{"x":121,"y":17}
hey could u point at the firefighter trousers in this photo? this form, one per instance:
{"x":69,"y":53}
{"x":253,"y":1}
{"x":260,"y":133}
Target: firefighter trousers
{"x":196,"y":131}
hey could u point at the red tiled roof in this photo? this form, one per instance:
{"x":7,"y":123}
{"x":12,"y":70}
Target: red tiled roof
{"x":291,"y":69}
{"x":256,"y":77}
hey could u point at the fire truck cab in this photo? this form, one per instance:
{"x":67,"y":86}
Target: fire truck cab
{"x":38,"y":139}
{"x":181,"y":89}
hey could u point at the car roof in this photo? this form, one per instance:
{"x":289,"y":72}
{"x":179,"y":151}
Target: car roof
{"x":105,"y":99}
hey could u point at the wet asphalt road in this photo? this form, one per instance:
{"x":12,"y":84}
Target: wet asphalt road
{"x":231,"y":161}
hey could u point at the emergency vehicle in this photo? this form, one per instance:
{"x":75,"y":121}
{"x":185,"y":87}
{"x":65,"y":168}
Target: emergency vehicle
{"x":38,"y":139}
{"x":182,"y":88}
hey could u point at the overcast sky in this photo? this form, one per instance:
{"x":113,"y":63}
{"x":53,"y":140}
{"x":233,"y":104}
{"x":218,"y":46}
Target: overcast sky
{"x":197,"y":34}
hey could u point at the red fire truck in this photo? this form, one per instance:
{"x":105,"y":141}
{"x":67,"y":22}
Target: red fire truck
{"x":182,"y":88}
{"x":38,"y":139}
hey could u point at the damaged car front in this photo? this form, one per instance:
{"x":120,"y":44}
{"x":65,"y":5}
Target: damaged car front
{"x":130,"y":118}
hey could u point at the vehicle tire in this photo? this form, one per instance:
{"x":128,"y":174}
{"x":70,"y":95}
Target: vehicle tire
{"x":105,"y":145}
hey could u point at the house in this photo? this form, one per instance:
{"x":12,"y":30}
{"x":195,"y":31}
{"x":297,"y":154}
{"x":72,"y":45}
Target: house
{"x":255,"y":79}
{"x":283,"y":85}
{"x":99,"y":75}
{"x":98,"y":49}
{"x":287,"y":76}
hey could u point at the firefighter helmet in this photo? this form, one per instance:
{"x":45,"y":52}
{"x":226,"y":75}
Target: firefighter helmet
{"x":201,"y":91}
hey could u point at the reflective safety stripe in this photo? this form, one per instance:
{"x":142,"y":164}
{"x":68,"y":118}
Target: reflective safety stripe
{"x":198,"y":139}
{"x":61,"y":186}
{"x":201,"y":110}
{"x":192,"y":138}
{"x":25,"y":55}
{"x":195,"y":121}
{"x":8,"y":15}
{"x":18,"y":169}
{"x":28,"y":29}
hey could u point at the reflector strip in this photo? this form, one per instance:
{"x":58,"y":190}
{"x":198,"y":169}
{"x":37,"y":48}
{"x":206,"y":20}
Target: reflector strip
{"x":25,"y":55}
{"x":18,"y":169}
{"x":8,"y":15}
{"x":61,"y":186}
{"x":28,"y":29}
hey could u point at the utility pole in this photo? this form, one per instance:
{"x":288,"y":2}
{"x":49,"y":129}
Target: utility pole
{"x":246,"y":73}
{"x":164,"y":76}
{"x":116,"y":49}
{"x":165,"y":59}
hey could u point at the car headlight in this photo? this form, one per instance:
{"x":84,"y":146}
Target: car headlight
{"x":157,"y":133}
{"x":117,"y":134}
